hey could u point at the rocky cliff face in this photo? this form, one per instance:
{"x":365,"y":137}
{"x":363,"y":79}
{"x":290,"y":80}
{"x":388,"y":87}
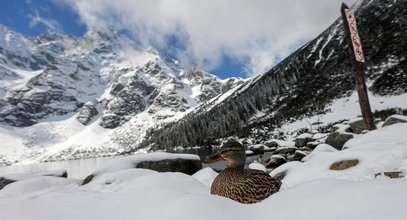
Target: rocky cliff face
{"x":306,"y":82}
{"x":102,"y":81}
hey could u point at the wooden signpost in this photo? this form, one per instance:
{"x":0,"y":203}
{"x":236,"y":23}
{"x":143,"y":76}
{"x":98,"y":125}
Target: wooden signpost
{"x":357,"y":59}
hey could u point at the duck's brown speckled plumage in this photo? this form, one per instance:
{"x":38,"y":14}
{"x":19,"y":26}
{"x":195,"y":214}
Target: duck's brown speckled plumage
{"x":243,"y":185}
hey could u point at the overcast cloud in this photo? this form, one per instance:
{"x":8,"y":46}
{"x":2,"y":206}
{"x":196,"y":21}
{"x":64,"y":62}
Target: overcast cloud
{"x":256,"y":32}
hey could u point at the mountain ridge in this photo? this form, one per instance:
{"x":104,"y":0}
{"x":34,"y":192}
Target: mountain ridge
{"x":306,"y":82}
{"x":102,"y":82}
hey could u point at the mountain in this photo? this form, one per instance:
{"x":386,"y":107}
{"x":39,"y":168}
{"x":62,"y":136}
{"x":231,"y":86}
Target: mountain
{"x":308,"y":85}
{"x":65,"y":98}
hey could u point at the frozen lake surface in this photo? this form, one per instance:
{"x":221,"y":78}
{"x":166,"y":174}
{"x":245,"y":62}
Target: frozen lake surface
{"x":77,"y":169}
{"x":81,"y":168}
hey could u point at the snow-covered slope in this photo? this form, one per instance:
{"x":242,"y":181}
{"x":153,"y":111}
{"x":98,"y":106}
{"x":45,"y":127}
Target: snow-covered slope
{"x":310,"y":190}
{"x":64,"y":98}
{"x":310,"y":82}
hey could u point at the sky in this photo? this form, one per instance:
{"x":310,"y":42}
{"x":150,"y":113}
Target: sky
{"x":225,"y":37}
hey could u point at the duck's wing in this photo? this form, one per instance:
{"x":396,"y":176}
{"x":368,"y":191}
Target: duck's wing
{"x":255,"y":186}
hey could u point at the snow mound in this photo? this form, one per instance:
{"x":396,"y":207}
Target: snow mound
{"x":178,"y":196}
{"x":381,"y":150}
{"x":310,"y":190}
{"x":20,"y":176}
{"x":36,"y":186}
{"x":206,"y":176}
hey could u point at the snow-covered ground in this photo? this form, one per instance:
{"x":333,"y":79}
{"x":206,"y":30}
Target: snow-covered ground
{"x":310,"y":190}
{"x":348,"y":108}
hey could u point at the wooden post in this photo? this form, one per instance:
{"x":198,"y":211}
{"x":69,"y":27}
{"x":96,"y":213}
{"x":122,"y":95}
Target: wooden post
{"x":357,"y":59}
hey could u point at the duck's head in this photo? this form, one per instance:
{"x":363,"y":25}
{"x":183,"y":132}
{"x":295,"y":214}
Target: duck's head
{"x":233,"y":152}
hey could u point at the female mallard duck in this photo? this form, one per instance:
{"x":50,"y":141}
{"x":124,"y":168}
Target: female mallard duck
{"x":237,"y":183}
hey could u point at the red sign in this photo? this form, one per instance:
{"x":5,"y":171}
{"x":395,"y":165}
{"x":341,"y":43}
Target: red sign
{"x":354,"y":34}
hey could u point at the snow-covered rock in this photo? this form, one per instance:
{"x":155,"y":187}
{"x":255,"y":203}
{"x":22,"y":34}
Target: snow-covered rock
{"x":160,"y":161}
{"x":11,"y":178}
{"x":257,"y":166}
{"x":395,"y":119}
{"x":303,"y":139}
{"x":275,"y":161}
{"x":381,"y":150}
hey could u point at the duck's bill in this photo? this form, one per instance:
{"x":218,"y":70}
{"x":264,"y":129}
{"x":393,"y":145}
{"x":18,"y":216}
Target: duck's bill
{"x":214,"y":157}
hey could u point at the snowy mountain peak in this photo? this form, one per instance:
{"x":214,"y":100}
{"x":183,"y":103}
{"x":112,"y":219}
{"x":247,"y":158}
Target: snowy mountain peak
{"x":106,"y":40}
{"x":12,"y":43}
{"x":56,"y":90}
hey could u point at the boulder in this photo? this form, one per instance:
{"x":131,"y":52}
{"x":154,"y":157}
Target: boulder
{"x":312,"y":144}
{"x":338,"y":139}
{"x":110,"y":121}
{"x":357,"y":126}
{"x":257,"y":149}
{"x":344,"y":164}
{"x":271,"y":144}
{"x":393,"y":174}
{"x":280,"y":176}
{"x":298,"y":155}
{"x":306,"y":149}
{"x":275,"y":161}
{"x":172,"y":165}
{"x":4,"y":182}
{"x":88,"y":179}
{"x":86,"y":113}
{"x":303,"y":139}
{"x":394,"y":119}
{"x":285,"y":150}
{"x":161,"y":162}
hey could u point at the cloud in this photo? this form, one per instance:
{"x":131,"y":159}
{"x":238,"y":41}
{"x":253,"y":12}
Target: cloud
{"x":51,"y":24}
{"x":256,"y":32}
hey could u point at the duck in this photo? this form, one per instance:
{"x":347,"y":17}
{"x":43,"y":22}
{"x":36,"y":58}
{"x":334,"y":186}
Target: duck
{"x":237,"y":183}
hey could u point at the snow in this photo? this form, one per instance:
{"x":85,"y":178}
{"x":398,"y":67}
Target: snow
{"x":305,"y":135}
{"x":18,"y":176}
{"x":257,"y":166}
{"x":206,"y":176}
{"x":381,"y":150}
{"x":11,"y":146}
{"x":283,"y":143}
{"x":249,"y":152}
{"x":277,"y":156}
{"x":401,"y":117}
{"x":309,"y":191}
{"x":314,"y":48}
{"x":87,"y":69}
{"x":23,"y":77}
{"x":319,"y":136}
{"x":34,"y":187}
{"x":258,"y":146}
{"x":348,"y":108}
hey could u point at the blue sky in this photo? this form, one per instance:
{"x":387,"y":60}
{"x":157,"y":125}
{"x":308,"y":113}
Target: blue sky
{"x":19,"y":14}
{"x":225,"y":37}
